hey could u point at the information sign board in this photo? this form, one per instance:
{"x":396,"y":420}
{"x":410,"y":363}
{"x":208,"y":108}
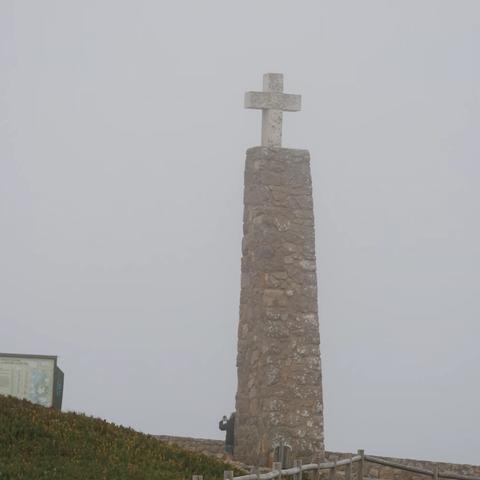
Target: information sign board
{"x":33,"y":377}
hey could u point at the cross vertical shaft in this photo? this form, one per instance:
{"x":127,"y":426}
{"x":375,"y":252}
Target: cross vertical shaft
{"x":272,"y":118}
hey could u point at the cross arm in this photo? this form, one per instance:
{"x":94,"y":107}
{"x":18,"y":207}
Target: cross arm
{"x":273,"y":100}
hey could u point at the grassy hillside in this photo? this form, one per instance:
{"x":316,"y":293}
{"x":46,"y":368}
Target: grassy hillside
{"x":41,"y":443}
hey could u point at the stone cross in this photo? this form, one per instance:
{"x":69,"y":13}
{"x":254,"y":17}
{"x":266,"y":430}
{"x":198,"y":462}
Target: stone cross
{"x":273,"y":102}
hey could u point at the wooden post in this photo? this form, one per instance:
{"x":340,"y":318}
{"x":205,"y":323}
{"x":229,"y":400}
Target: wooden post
{"x":298,"y":464}
{"x":435,"y":472}
{"x":197,"y":477}
{"x":228,"y":475}
{"x":316,"y":473}
{"x":361,"y":465}
{"x":281,"y":453}
{"x":348,"y":470}
{"x":255,"y":471}
{"x":277,"y":467}
{"x":332,"y":473}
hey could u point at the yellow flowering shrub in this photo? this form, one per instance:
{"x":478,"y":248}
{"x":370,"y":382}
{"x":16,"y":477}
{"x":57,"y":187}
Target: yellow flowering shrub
{"x":42,"y":443}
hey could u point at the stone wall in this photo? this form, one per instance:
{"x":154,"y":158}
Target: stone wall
{"x":373,"y":470}
{"x":388,"y":473}
{"x":215,"y":448}
{"x":279,"y":394}
{"x":212,"y":448}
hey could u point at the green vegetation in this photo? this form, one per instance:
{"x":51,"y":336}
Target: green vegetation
{"x":41,"y":443}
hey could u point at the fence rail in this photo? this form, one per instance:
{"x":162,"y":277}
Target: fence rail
{"x":298,"y":470}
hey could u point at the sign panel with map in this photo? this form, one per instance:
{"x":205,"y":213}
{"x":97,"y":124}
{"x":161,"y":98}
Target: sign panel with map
{"x":36,"y":378}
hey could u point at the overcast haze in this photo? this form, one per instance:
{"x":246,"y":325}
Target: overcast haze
{"x":122,"y":148}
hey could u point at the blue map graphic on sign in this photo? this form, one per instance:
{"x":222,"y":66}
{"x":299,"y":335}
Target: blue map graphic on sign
{"x":39,"y":384}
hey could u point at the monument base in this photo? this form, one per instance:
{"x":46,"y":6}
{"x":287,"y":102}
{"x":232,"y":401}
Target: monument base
{"x":279,"y":396}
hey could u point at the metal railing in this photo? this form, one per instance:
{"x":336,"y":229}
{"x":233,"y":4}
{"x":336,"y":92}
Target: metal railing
{"x":314,"y":469}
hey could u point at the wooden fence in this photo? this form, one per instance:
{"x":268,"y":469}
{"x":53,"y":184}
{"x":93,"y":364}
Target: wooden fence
{"x":313,"y":470}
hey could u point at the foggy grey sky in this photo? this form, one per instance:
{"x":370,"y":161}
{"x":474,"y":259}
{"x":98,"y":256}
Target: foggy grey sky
{"x":122,"y":148}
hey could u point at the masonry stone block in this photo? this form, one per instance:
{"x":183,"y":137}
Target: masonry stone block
{"x":279,"y":396}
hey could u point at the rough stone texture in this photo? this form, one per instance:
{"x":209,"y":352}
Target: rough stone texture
{"x":212,"y":448}
{"x":388,"y":473}
{"x":279,"y":394}
{"x":273,"y":102}
{"x":375,"y":471}
{"x":215,"y":448}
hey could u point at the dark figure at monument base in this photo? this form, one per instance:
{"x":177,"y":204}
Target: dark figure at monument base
{"x":228,"y":425}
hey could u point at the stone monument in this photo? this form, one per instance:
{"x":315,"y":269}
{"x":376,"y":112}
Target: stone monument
{"x":279,"y":396}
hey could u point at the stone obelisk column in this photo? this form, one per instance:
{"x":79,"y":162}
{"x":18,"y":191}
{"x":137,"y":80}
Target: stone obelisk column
{"x":279,"y":396}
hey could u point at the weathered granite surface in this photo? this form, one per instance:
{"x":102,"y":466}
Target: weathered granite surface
{"x":273,"y":102}
{"x":279,"y":394}
{"x":388,"y":473}
{"x":376,"y":471}
{"x":215,"y":448}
